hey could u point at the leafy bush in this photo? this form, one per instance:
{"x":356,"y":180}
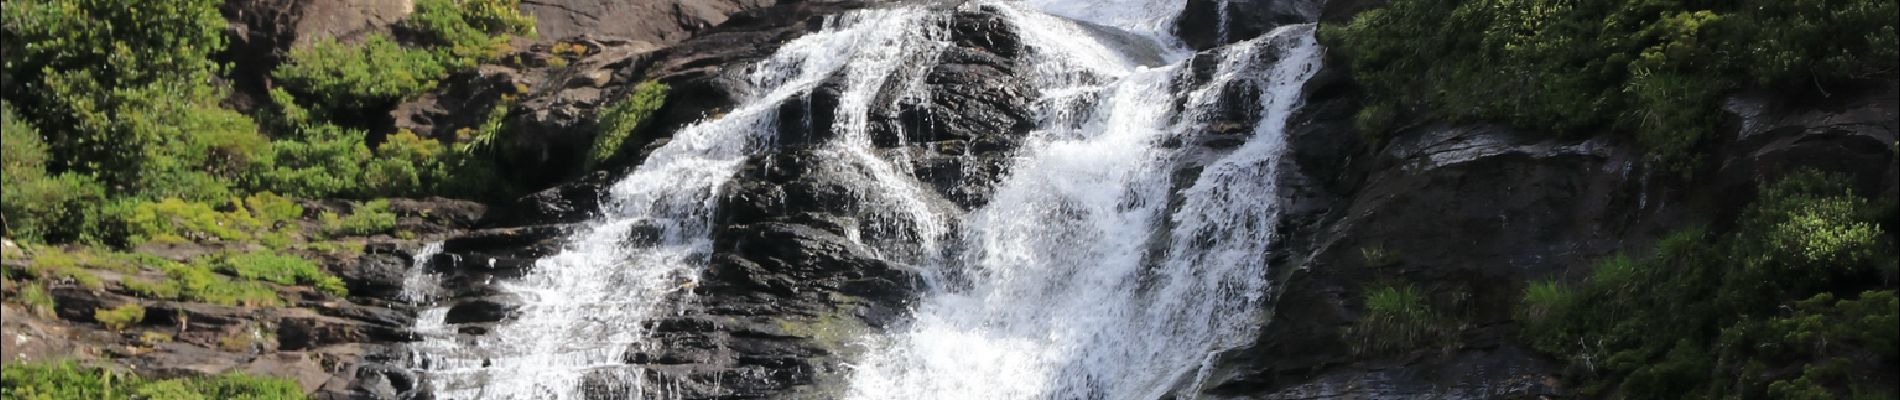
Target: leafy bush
{"x":281,"y":269}
{"x":405,"y":164}
{"x":1652,"y":67}
{"x":118,"y":318}
{"x":324,"y":161}
{"x":1655,"y":327}
{"x":56,"y":208}
{"x":365,"y":218}
{"x":34,"y":206}
{"x":344,"y":81}
{"x":272,"y":209}
{"x":67,"y":380}
{"x":621,"y":119}
{"x":465,"y":32}
{"x":179,"y":221}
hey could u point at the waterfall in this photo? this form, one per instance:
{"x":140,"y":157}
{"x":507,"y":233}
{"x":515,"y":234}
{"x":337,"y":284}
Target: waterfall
{"x":1098,"y":269}
{"x":586,"y":305}
{"x":1070,"y":295}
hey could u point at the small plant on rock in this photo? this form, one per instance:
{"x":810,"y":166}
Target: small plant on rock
{"x":118,"y":318}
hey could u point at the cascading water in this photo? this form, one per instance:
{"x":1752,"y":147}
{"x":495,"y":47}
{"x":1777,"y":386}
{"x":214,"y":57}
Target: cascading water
{"x":586,"y":305}
{"x":1091,"y":273}
{"x":1070,"y":294}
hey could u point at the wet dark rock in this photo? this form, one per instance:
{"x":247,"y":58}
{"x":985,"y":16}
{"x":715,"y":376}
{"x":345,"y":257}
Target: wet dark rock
{"x":373,"y":274}
{"x":1205,"y":24}
{"x":552,"y":123}
{"x":76,"y":303}
{"x":527,"y":237}
{"x":706,"y":71}
{"x":569,"y":202}
{"x":493,"y":308}
{"x":380,"y":381}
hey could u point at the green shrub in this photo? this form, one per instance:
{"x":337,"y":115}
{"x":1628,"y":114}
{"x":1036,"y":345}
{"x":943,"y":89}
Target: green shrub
{"x":118,"y":318}
{"x":1397,"y":318}
{"x":49,"y":209}
{"x":55,"y":381}
{"x":1655,"y":68}
{"x":199,"y":281}
{"x":323,"y":161}
{"x":365,"y":218}
{"x":118,"y":82}
{"x":405,"y":165}
{"x":1747,"y":313}
{"x":51,"y":262}
{"x":623,"y":118}
{"x":159,"y":289}
{"x":465,"y":32}
{"x":68,"y":380}
{"x":345,"y":80}
{"x":281,"y":269}
{"x":271,"y":209}
{"x":1543,"y":298}
{"x":22,"y":151}
{"x":179,"y":221}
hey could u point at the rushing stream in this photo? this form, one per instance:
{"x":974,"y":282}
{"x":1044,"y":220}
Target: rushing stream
{"x":1094,"y":272}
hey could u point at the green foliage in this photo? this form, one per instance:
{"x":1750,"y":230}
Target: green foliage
{"x":1746,"y":305}
{"x":1655,"y":68}
{"x":110,"y":112}
{"x":53,"y":263}
{"x":66,"y":380}
{"x":345,"y":80}
{"x":405,"y":164}
{"x":281,"y":269}
{"x":199,"y":281}
{"x":1397,"y":318}
{"x":325,"y":160}
{"x":36,"y":207}
{"x":621,"y":119}
{"x":263,"y":217}
{"x":35,"y":299}
{"x":465,"y":32}
{"x":364,"y":219}
{"x":272,"y":209}
{"x":179,"y":221}
{"x":55,"y":208}
{"x":118,"y":318}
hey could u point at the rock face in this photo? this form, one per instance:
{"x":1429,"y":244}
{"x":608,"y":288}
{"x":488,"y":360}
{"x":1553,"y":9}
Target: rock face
{"x":1472,"y":213}
{"x":1205,"y":24}
{"x":547,"y":102}
{"x":661,"y":22}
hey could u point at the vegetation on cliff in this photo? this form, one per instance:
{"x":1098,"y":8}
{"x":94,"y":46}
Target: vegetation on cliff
{"x":121,"y":136}
{"x":112,"y":107}
{"x":68,"y":380}
{"x":1653,"y":68}
{"x":1796,"y":301}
